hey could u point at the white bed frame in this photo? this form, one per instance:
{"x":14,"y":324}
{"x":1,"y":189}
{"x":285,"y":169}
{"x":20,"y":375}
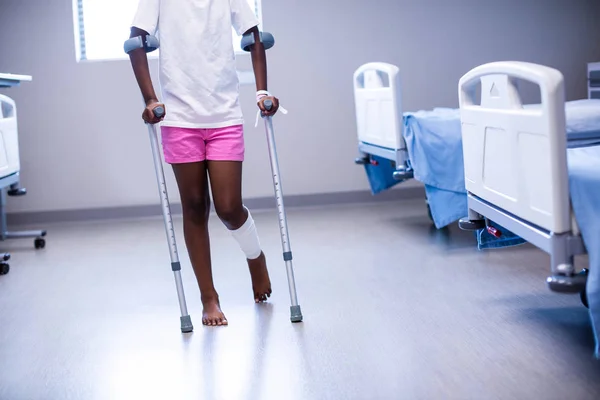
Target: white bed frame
{"x":10,"y":167}
{"x":516,"y":163}
{"x":379,"y":120}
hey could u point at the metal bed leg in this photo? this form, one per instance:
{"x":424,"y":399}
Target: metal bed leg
{"x":362,"y":159}
{"x":38,"y":235}
{"x":564,"y":279}
{"x":473,"y":222}
{"x":403,"y":173}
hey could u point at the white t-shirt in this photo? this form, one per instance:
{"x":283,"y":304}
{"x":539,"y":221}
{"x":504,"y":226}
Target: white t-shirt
{"x":198,"y":77}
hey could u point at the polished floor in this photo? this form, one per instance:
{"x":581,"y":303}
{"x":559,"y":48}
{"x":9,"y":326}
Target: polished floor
{"x":393,"y":310}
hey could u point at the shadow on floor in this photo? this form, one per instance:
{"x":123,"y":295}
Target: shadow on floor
{"x":569,"y":323}
{"x":450,"y":237}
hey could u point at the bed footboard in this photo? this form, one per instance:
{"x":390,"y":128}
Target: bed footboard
{"x":516,"y":162}
{"x":379,"y":118}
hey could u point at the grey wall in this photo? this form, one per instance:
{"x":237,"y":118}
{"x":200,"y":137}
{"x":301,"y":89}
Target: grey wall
{"x":75,"y":155}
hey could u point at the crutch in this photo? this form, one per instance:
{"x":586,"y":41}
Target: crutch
{"x":268,"y":42}
{"x":149,"y":44}
{"x":296,"y":312}
{"x":186,"y":320}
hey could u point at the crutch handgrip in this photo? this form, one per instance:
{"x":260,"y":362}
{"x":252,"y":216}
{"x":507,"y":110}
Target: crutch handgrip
{"x":159,"y":112}
{"x":268,"y":105}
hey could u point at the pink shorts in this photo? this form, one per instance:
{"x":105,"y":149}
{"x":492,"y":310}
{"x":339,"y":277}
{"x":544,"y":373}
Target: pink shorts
{"x":186,"y":145}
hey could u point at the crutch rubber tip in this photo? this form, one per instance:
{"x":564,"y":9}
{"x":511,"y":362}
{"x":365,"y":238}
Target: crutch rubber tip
{"x":186,"y":324}
{"x":296,"y":314}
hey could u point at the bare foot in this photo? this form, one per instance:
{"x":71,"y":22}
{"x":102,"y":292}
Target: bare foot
{"x":212,"y":314}
{"x":261,"y":284}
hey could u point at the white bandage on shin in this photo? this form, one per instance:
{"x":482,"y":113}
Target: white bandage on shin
{"x":247,"y":238}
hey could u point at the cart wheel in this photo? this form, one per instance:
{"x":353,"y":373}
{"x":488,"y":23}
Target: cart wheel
{"x":39,"y":243}
{"x":4,"y":268}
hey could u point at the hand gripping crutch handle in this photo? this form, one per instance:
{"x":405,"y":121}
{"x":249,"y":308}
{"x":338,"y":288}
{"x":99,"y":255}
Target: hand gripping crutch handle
{"x":268,"y":105}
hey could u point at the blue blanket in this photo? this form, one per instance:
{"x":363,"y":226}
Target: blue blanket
{"x":434,"y":143}
{"x":584,"y":181}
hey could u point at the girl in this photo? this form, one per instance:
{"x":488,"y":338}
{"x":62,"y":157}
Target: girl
{"x":202,"y":131}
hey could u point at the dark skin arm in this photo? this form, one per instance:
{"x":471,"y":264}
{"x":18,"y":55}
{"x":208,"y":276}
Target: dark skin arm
{"x":139,"y":62}
{"x":259,"y":63}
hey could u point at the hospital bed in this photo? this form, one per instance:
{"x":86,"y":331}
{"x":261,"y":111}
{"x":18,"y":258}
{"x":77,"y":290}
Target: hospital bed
{"x":522,"y":170}
{"x":379,"y":121}
{"x":10,"y":167}
{"x":381,"y":124}
{"x":427,"y":145}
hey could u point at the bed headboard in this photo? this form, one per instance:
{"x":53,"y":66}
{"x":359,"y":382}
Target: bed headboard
{"x":378,"y":105}
{"x":516,"y":158}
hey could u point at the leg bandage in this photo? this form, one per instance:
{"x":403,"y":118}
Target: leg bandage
{"x":247,"y":238}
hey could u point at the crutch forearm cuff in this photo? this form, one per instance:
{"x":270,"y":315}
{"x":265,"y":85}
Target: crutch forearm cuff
{"x":147,"y":42}
{"x":265,"y":37}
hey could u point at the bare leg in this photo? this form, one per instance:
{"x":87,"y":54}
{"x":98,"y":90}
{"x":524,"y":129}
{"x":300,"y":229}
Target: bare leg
{"x":226,"y":184}
{"x":193,"y":188}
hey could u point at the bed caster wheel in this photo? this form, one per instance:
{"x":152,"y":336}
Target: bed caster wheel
{"x":17,"y":192}
{"x":467,"y":225}
{"x":403,"y":175}
{"x":4,"y":268}
{"x":362,"y":161}
{"x":39,"y":243}
{"x":568,"y":284}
